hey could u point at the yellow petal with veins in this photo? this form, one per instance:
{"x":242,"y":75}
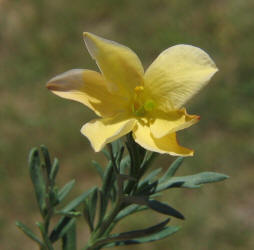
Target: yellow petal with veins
{"x":167,"y":123}
{"x":177,"y":74}
{"x":103,"y":131}
{"x":167,"y":144}
{"x":119,"y":64}
{"x":89,"y":88}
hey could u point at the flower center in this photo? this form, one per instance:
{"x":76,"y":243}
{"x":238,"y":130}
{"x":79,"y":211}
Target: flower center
{"x":141,"y":105}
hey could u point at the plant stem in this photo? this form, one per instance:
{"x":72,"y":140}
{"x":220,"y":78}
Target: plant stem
{"x":104,"y":226}
{"x":113,"y":158}
{"x":109,"y":219}
{"x":93,"y":243}
{"x":98,"y":236}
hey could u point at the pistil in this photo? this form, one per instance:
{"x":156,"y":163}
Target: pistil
{"x":140,"y":106}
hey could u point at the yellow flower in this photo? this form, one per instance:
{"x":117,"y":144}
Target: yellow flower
{"x":128,"y":99}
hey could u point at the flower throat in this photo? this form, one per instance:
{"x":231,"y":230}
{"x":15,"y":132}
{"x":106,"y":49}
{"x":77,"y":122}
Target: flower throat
{"x":140,"y":106}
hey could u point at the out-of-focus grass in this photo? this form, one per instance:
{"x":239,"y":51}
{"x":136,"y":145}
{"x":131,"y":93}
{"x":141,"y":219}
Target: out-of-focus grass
{"x":40,"y":39}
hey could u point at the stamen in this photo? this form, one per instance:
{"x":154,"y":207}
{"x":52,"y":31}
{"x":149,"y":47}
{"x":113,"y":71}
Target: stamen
{"x":138,"y":89}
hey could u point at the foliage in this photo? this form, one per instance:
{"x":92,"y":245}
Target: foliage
{"x":126,"y":189}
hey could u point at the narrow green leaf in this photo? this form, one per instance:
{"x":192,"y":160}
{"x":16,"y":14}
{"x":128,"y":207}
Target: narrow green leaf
{"x":148,"y":179}
{"x":147,"y":189}
{"x":106,"y":154}
{"x":53,"y":196}
{"x":63,"y":192}
{"x":29,"y":233}
{"x":137,"y":154}
{"x":191,"y":181}
{"x":46,"y":157}
{"x":103,"y":208}
{"x":117,"y":147}
{"x":77,"y":201}
{"x":108,"y":178}
{"x":93,"y":204}
{"x":140,"y":233}
{"x":67,"y":227}
{"x":125,"y":163}
{"x":69,"y":238}
{"x":172,"y":169}
{"x":54,"y":170}
{"x":120,"y":185}
{"x":138,"y":166}
{"x":61,"y":228}
{"x":37,"y":178}
{"x":126,"y":236}
{"x":154,"y":205}
{"x":90,"y":209}
{"x":147,"y":161}
{"x":113,"y":192}
{"x":129,"y":210}
{"x":165,"y":232}
{"x":164,"y":209}
{"x":98,"y":168}
{"x":152,"y":175}
{"x":69,"y":214}
{"x":86,"y":214}
{"x":119,"y":156}
{"x":130,"y":149}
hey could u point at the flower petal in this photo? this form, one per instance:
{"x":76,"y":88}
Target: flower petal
{"x":119,"y":64}
{"x":89,"y":88}
{"x":103,"y":131}
{"x":167,"y":144}
{"x":177,"y":74}
{"x":167,"y":123}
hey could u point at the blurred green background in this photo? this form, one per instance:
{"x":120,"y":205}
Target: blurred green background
{"x":39,"y":39}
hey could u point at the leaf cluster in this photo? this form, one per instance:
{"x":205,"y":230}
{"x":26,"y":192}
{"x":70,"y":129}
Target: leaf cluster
{"x":127,"y":188}
{"x":50,"y":203}
{"x":130,"y":189}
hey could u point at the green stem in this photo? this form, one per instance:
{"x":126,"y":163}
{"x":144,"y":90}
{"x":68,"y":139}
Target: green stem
{"x":99,"y":236}
{"x":93,"y":243}
{"x":104,"y":226}
{"x":46,"y":241}
{"x":113,"y":158}
{"x":50,"y":209}
{"x":109,"y":219}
